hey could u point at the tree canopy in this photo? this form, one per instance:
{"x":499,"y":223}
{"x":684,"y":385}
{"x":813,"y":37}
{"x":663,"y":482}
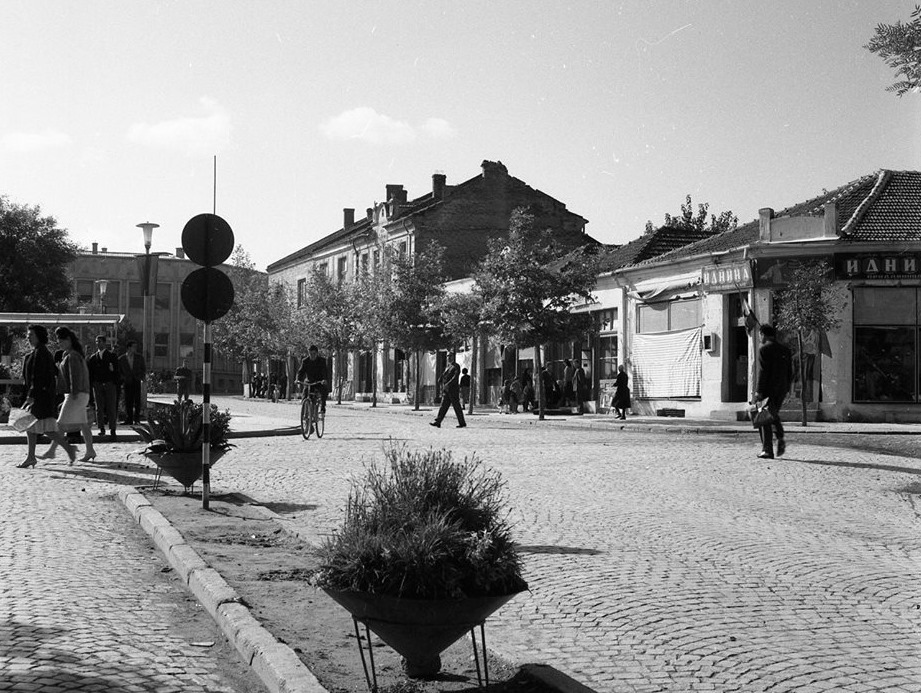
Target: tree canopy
{"x":698,"y":221}
{"x":34,"y":258}
{"x":899,"y":45}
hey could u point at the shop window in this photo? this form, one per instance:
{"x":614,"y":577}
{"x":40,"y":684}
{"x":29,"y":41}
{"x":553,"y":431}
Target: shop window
{"x":668,"y":316}
{"x":887,"y":329}
{"x":607,"y":362}
{"x":161,"y":344}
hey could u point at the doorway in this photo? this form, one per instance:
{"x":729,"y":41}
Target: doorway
{"x":736,"y":351}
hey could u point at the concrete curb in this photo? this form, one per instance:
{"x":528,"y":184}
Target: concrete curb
{"x":276,"y":664}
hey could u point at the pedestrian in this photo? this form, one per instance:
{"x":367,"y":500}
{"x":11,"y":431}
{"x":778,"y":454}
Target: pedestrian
{"x":183,"y":381}
{"x":132,"y":370}
{"x":568,"y":373}
{"x":515,"y":395}
{"x":621,"y":400}
{"x":551,"y":395}
{"x":464,"y":387}
{"x":74,"y":380}
{"x":775,"y":375}
{"x":450,"y":381}
{"x":527,"y":390}
{"x":40,"y":379}
{"x":580,"y":386}
{"x":103,"y":367}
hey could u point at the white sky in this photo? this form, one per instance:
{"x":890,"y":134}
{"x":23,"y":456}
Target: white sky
{"x":111,"y":111}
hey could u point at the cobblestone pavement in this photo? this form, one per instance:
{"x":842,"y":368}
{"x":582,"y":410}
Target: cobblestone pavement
{"x":86,"y":602}
{"x":662,"y":562}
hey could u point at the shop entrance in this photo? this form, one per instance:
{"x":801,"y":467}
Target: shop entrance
{"x":736,"y":351}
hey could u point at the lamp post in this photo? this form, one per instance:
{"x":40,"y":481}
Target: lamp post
{"x":146,"y":280}
{"x":102,"y":284}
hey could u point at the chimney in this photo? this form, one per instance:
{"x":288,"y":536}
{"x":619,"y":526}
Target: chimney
{"x":348,"y":217}
{"x":95,"y":247}
{"x":103,"y":250}
{"x":438,"y":185}
{"x":764,"y":224}
{"x":396,"y":196}
{"x":370,"y":212}
{"x":830,"y":229}
{"x":180,"y":253}
{"x":493,"y":168}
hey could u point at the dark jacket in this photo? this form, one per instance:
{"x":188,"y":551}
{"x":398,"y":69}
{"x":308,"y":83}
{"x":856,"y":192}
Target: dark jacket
{"x":775,"y":371}
{"x":40,"y":375}
{"x":451,"y":377}
{"x":129,"y":374}
{"x":313,"y":371}
{"x":103,"y":369}
{"x":621,"y":398}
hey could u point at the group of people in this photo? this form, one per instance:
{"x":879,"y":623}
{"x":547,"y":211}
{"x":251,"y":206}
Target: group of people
{"x":262,"y":385}
{"x":571,"y":390}
{"x":66,"y":391}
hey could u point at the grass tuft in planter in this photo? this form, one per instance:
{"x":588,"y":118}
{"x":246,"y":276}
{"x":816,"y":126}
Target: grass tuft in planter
{"x":423,"y":526}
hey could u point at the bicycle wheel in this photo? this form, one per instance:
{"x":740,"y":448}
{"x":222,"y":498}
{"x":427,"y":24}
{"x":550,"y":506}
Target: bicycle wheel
{"x":306,"y":428}
{"x":320,"y":421}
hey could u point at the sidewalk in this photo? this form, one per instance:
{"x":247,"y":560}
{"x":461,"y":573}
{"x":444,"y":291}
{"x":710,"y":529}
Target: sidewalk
{"x":256,"y":418}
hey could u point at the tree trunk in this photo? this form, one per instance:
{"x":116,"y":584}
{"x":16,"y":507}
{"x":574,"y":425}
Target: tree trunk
{"x":374,"y":376}
{"x":539,"y":383}
{"x":802,"y":373}
{"x":473,"y":366}
{"x":417,"y":384}
{"x":339,"y":375}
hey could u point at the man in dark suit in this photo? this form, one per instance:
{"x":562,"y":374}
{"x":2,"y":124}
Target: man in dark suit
{"x":775,"y":374}
{"x":132,"y":371}
{"x":104,"y":374}
{"x":450,"y":379}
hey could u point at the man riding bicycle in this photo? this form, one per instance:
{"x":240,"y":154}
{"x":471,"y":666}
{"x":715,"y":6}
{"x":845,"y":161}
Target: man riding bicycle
{"x":313,"y":374}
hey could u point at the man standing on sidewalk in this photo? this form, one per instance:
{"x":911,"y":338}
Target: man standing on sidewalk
{"x":103,"y":369}
{"x":775,"y":374}
{"x":132,"y":370}
{"x":450,"y":379}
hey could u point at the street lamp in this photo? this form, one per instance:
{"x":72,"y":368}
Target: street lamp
{"x":102,"y":284}
{"x":148,"y":278}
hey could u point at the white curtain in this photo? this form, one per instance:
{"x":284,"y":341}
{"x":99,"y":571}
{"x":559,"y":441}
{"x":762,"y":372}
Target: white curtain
{"x":667,"y":364}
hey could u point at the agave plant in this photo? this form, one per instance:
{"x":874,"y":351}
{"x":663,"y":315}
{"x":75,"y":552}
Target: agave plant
{"x":178,"y":427}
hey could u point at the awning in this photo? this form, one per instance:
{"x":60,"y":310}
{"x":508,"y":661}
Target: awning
{"x":61,"y":318}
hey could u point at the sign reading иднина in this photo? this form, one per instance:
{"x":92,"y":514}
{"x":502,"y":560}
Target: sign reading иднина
{"x":726,"y":277}
{"x":878,"y":265}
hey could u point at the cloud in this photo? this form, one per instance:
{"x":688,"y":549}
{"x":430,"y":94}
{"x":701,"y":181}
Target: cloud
{"x":366,"y":124}
{"x":439,"y":129}
{"x":34,"y":141}
{"x":192,"y":135}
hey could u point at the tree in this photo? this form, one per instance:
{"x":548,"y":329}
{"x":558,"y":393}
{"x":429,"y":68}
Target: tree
{"x":808,"y":303}
{"x":688,"y":219}
{"x":900,"y":46}
{"x":529,"y":291}
{"x":413,"y":322}
{"x":462,"y":317}
{"x":34,"y":259}
{"x":255,"y":326}
{"x":373,"y":292}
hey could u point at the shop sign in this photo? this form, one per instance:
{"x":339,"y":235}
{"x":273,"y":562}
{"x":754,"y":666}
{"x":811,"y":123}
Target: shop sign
{"x":878,"y":266}
{"x":773,"y":273}
{"x":728,"y":277}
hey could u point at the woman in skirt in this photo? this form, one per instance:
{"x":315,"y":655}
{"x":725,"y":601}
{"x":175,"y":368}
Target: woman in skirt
{"x":621,"y":400}
{"x":40,"y":373}
{"x":76,"y":381}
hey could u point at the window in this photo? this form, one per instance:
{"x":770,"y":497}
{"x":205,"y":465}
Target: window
{"x":186,"y":345}
{"x":113,"y":291}
{"x":342,"y":268}
{"x":607,"y":357}
{"x":161,"y":344}
{"x":402,"y":248}
{"x":377,"y":258}
{"x":365,"y":260}
{"x":668,"y":316}
{"x":322,"y":267}
{"x":135,"y":297}
{"x":887,"y":329}
{"x":84,"y":291}
{"x":162,"y":300}
{"x":301,"y":292}
{"x":607,"y":320}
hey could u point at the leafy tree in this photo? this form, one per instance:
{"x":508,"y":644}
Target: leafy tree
{"x":461,"y":315}
{"x":529,"y":291}
{"x":254,"y":327}
{"x":900,"y":46}
{"x":809,"y":302}
{"x":688,"y":219}
{"x":373,"y":298}
{"x":34,"y":259}
{"x":413,"y":322}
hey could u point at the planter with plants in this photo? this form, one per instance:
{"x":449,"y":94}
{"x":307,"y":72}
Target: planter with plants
{"x":173,"y":434}
{"x":424,"y":554}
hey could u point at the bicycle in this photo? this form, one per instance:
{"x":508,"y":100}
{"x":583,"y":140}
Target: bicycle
{"x":312,"y":418}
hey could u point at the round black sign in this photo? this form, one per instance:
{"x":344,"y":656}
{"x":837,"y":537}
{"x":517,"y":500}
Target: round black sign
{"x":207,"y":294}
{"x":207,"y":240}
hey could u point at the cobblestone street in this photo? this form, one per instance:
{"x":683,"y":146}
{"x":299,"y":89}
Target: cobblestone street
{"x":86,"y":602}
{"x":662,"y":562}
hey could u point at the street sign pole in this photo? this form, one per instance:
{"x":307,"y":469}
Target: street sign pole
{"x":206,"y":420}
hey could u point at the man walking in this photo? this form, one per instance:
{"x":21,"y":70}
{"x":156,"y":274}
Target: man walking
{"x":450,"y":381}
{"x":104,"y":373}
{"x":132,"y":371}
{"x":183,"y":379}
{"x":580,"y":387}
{"x":775,"y":374}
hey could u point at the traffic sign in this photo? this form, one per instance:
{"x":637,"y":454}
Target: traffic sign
{"x":207,"y":240}
{"x":207,"y":293}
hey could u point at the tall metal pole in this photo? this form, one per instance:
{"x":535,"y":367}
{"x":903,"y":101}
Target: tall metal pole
{"x":206,"y":421}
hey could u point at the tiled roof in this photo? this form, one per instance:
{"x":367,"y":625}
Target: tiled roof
{"x":650,"y":245}
{"x":880,"y":206}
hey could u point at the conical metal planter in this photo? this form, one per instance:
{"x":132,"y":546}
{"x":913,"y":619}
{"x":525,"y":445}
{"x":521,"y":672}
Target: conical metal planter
{"x":419,"y":629}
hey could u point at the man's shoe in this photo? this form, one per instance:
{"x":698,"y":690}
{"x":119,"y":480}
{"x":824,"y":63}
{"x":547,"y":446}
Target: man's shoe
{"x":436,"y":424}
{"x":462,"y":425}
{"x":781,"y":448}
{"x":766,"y":455}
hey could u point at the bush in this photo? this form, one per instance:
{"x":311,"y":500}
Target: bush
{"x":179,"y":427}
{"x":425,"y":527}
